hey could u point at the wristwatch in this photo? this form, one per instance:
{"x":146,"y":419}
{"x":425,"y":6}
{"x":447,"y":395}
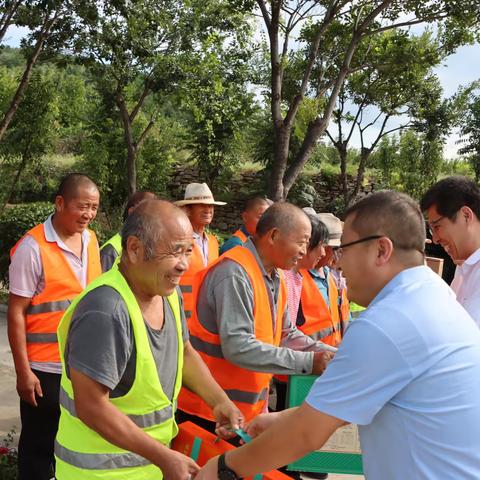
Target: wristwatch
{"x":224,"y":472}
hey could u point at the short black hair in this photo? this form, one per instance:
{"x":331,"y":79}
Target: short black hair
{"x":281,"y":215}
{"x":450,"y":194}
{"x":393,"y":214}
{"x":253,"y":202}
{"x":319,"y":232}
{"x":69,"y":185}
{"x":135,"y":199}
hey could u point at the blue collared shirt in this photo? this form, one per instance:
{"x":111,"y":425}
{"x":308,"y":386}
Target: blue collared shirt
{"x":408,"y":373}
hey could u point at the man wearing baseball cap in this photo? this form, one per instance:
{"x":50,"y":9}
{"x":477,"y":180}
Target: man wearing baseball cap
{"x":199,"y":206}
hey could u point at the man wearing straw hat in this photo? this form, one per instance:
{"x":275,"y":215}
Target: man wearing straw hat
{"x":199,"y":206}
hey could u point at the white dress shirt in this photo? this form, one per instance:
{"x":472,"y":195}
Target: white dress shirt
{"x":466,"y":285}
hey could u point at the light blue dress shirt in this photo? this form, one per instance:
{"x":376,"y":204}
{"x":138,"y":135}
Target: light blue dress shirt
{"x":408,"y":373}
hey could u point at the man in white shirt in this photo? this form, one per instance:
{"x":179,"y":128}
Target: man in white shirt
{"x":452,"y":206}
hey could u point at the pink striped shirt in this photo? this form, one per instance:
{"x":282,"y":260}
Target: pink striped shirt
{"x":293,"y":281}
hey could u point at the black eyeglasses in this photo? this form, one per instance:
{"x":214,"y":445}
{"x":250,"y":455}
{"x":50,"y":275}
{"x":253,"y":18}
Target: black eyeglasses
{"x":339,"y":250}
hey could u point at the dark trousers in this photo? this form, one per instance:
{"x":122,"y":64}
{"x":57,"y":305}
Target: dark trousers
{"x":281,"y":390}
{"x":36,"y":460}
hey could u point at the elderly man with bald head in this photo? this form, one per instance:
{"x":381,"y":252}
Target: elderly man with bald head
{"x":240,"y":325}
{"x":126,"y":352}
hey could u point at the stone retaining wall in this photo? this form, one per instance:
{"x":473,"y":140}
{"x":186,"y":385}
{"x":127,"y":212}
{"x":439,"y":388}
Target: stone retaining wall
{"x":227,"y":218}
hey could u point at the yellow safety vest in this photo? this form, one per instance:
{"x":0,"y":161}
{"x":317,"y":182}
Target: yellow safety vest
{"x":80,"y":452}
{"x":115,"y":242}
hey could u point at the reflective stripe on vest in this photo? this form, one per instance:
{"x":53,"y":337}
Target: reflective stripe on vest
{"x":211,"y":349}
{"x":247,"y":397}
{"x":189,"y":281}
{"x":42,"y":338}
{"x":99,"y":461}
{"x":142,"y":421}
{"x":46,"y":307}
{"x":248,"y":389}
{"x":61,"y":287}
{"x":320,"y":319}
{"x":81,"y":453}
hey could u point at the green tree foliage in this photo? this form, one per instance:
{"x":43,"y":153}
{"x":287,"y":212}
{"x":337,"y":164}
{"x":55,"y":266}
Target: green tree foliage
{"x":140,"y":51}
{"x":332,"y":41}
{"x":393,"y":85}
{"x":470,"y":131}
{"x":31,"y":133}
{"x":216,"y":92}
{"x":50,"y":24}
{"x":409,"y":163}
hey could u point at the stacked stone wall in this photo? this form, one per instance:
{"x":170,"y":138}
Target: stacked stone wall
{"x":245,"y":184}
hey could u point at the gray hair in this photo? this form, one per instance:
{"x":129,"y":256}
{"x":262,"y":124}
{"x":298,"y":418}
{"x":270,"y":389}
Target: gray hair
{"x":147,"y":228}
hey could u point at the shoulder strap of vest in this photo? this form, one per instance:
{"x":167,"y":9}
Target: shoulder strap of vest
{"x":212,"y":247}
{"x":37,"y":232}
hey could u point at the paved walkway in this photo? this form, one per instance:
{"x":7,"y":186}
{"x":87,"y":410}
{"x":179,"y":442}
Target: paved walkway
{"x":9,"y":412}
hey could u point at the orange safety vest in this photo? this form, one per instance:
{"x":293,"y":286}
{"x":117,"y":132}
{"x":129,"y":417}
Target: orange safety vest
{"x":189,"y":281}
{"x":246,"y":388}
{"x":325,"y":320}
{"x":61,"y":287}
{"x":240,"y":235}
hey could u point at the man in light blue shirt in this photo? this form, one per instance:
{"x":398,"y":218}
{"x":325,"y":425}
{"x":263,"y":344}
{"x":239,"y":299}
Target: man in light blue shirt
{"x":407,"y":371}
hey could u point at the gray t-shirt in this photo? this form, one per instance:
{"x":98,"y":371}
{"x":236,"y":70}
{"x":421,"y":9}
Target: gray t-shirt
{"x":108,"y":255}
{"x":225,"y":306}
{"x":101,"y":342}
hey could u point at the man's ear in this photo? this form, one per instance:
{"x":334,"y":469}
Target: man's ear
{"x":272,"y":235}
{"x":134,"y":250}
{"x":59,"y":203}
{"x":467,"y":214}
{"x":384,"y":251}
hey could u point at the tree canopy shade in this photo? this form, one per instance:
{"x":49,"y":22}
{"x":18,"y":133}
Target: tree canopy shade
{"x":314,"y":46}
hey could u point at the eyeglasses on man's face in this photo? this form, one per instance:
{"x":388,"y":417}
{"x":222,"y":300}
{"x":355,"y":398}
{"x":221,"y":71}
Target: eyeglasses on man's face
{"x":434,"y":225}
{"x":338,"y":251}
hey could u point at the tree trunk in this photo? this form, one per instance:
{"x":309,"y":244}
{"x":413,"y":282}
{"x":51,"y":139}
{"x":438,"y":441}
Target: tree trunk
{"x":342,"y":152}
{"x":314,"y":132}
{"x":7,"y":118}
{"x":129,"y":142}
{"x":280,"y":154}
{"x":6,"y":19}
{"x":318,"y":127}
{"x":364,"y":156}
